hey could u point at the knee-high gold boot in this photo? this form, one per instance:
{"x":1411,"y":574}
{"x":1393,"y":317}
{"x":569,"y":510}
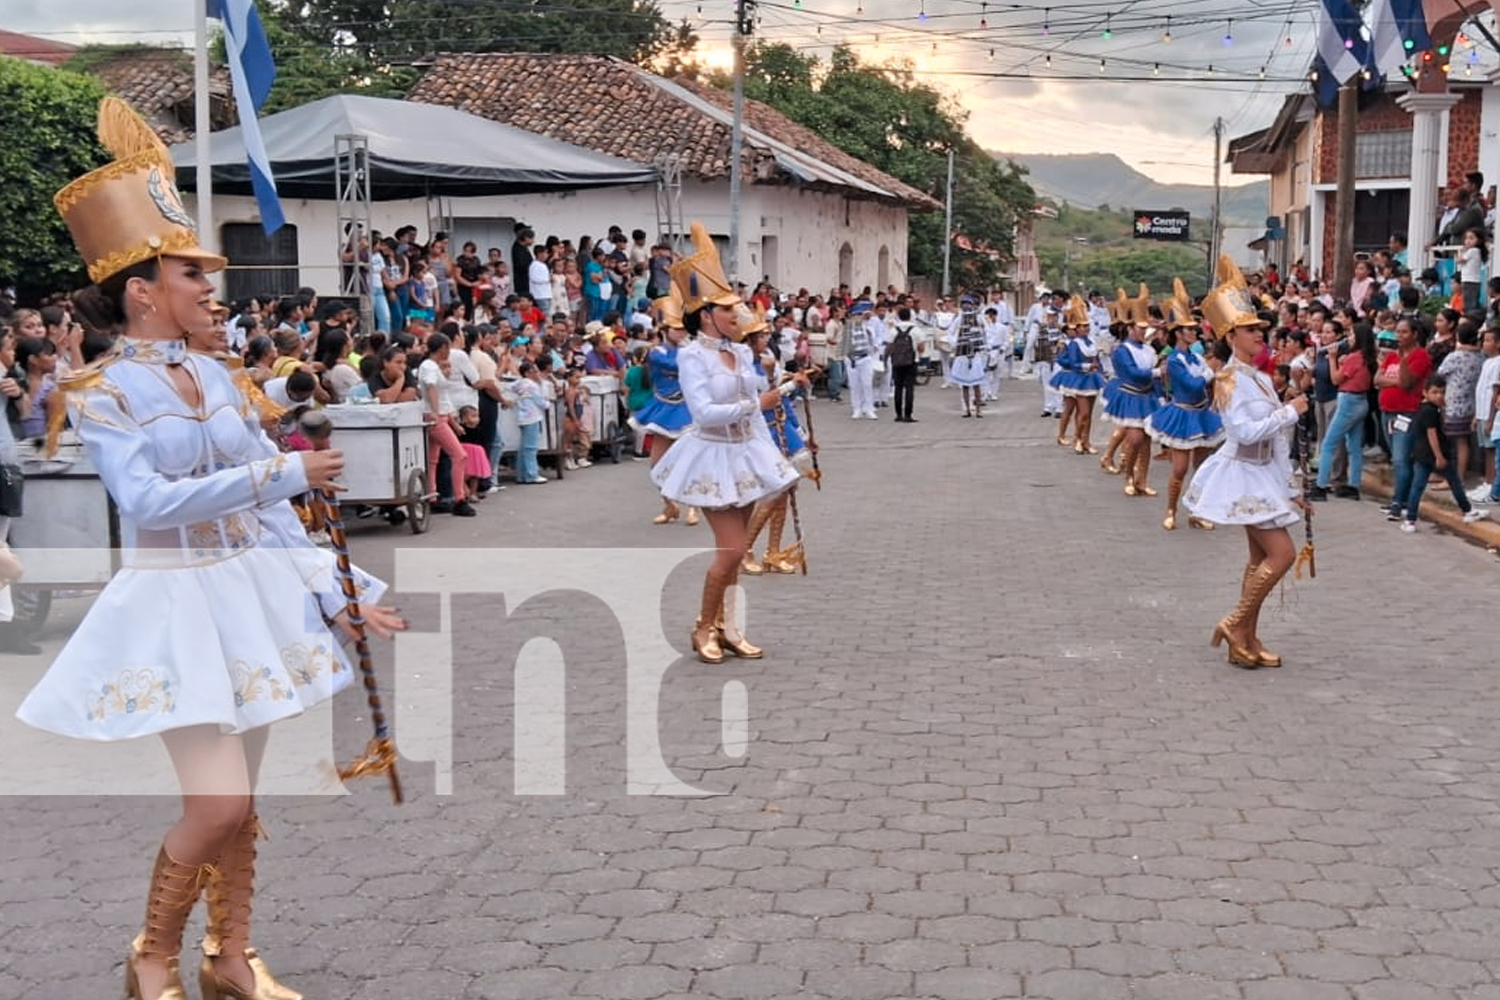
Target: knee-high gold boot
{"x":705,"y":633}
{"x":1265,"y":656}
{"x":1083,"y":445}
{"x":175,"y":888}
{"x":1258,"y":583}
{"x":758,"y":518}
{"x":231,"y":888}
{"x":1127,"y":464}
{"x":1107,"y":460}
{"x":776,"y":559}
{"x":730,"y":636}
{"x":1143,"y":470}
{"x":1174,"y":491}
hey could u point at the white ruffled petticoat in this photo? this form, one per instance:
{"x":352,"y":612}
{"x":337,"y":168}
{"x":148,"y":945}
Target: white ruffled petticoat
{"x":1249,"y":480}
{"x":715,"y":474}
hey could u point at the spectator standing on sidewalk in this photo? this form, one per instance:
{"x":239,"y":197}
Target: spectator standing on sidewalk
{"x":1325,"y":395}
{"x":1433,"y":451}
{"x":1403,"y":371}
{"x":1485,"y":393}
{"x":1461,"y":369}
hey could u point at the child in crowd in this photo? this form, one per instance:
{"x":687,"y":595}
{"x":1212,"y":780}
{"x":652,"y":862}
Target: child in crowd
{"x":1486,"y":391}
{"x":1432,"y":451}
{"x":577,"y":420}
{"x":1471,"y":261}
{"x":476,"y":453}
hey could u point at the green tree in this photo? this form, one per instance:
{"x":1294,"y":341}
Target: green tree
{"x":886,"y":117}
{"x":48,"y":117}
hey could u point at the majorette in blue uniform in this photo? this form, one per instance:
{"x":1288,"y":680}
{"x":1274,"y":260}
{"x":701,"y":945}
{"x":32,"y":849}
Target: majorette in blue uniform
{"x":786,"y":431}
{"x":1187,"y":425}
{"x":1077,"y":379}
{"x":666,"y":417}
{"x":1133,"y":395}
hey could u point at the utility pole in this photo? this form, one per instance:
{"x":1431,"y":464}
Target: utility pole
{"x":1343,"y":216}
{"x":208,"y":238}
{"x":948,"y":227}
{"x":744,"y":14}
{"x":1213,"y":238}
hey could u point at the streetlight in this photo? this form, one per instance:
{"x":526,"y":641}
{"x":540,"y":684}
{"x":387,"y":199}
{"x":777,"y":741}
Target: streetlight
{"x":1068,"y":260}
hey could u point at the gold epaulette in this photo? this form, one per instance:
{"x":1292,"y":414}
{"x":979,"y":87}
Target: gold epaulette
{"x":77,"y":382}
{"x":1224,"y":386}
{"x":253,"y":398}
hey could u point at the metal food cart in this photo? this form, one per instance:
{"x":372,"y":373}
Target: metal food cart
{"x":611,"y":431}
{"x":385,"y":457}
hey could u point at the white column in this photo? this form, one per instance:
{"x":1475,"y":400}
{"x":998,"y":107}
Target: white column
{"x":1427,"y":140}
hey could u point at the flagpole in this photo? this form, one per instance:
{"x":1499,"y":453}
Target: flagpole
{"x":202,"y":129}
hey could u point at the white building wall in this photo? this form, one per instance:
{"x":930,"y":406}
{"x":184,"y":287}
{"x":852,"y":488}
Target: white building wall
{"x":809,"y":227}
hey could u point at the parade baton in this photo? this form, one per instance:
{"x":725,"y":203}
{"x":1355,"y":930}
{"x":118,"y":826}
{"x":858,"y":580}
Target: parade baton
{"x":812,"y":444}
{"x":380,"y":753}
{"x":1308,"y":556}
{"x":791,"y":493}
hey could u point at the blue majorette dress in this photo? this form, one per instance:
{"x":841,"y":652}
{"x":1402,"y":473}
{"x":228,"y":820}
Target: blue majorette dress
{"x":1132,"y":396}
{"x":787,"y":431}
{"x":727,"y":458}
{"x":1078,"y":369}
{"x":667,"y":414}
{"x":1187,"y":421}
{"x":218,"y":615}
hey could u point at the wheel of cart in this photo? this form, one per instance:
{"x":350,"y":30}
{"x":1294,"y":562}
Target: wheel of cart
{"x":418,"y":507}
{"x":618,"y":437}
{"x":385,"y":458}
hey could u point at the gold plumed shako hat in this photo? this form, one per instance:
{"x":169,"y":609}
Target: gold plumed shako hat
{"x":1179,"y":308}
{"x":752,"y":319}
{"x":1119,"y":309}
{"x":1077,"y":313}
{"x":1140,"y":307}
{"x":1229,"y":305}
{"x":699,"y":278}
{"x":670,"y":307}
{"x":129,"y":211}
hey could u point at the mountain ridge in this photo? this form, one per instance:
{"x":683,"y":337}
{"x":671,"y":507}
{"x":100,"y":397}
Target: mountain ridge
{"x":1091,"y":180}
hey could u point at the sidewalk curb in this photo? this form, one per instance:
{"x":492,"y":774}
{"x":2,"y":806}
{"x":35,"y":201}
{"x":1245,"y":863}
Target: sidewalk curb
{"x":1439,"y":509}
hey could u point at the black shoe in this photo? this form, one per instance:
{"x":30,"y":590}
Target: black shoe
{"x":12,"y":641}
{"x":464,"y":509}
{"x":1346,"y":493}
{"x":967,"y":413}
{"x":1394,"y":514}
{"x":364,"y":510}
{"x":1318,"y":493}
{"x":1046,"y":415}
{"x":442,"y":507}
{"x":911,"y":420}
{"x":395,"y":516}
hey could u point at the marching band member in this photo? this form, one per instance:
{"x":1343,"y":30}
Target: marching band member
{"x":211,"y":630}
{"x":1186,"y":426}
{"x":999,"y":321}
{"x":970,"y":357}
{"x":944,"y":324}
{"x":1036,"y":320}
{"x":1249,"y":480}
{"x":1078,"y":379}
{"x":786,"y":431}
{"x":727,"y":461}
{"x":666,"y":417}
{"x":1043,"y":354}
{"x":860,"y":350}
{"x":1133,"y":397}
{"x":1101,"y":323}
{"x":877,"y":324}
{"x":1119,"y":321}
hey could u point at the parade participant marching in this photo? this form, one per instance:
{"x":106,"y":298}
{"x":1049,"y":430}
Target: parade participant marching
{"x":727,"y":461}
{"x":860,"y":349}
{"x":1119,"y":323}
{"x":1044,"y":355}
{"x":970,"y":357}
{"x":213,"y":564}
{"x":999,"y":322}
{"x":1078,"y":379}
{"x":786,"y":431}
{"x":665,"y":417}
{"x":1132,"y":397}
{"x":1186,"y":426}
{"x":1101,"y":333}
{"x":1249,"y":480}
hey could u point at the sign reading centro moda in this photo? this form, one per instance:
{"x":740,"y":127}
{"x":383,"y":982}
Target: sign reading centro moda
{"x":1171,"y":225}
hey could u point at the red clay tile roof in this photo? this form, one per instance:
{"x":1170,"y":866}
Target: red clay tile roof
{"x":613,"y":107}
{"x":158,"y":83}
{"x":33,"y":49}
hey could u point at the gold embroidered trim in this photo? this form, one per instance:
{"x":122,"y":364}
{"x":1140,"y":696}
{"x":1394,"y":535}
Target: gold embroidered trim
{"x":118,"y":261}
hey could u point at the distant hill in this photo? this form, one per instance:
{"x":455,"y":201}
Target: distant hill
{"x":1089,"y":180}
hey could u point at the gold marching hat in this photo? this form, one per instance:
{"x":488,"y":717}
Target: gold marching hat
{"x":1077,"y":313}
{"x":129,"y":211}
{"x":1229,"y":305}
{"x":1140,"y":307}
{"x":1179,"y":308}
{"x":1119,"y":309}
{"x":752,"y":319}
{"x":699,"y":279}
{"x":670,"y":306}
{"x":1232,"y":282}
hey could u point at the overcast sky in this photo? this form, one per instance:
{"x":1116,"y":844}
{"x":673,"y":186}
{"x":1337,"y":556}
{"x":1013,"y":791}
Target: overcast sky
{"x":1162,"y":125}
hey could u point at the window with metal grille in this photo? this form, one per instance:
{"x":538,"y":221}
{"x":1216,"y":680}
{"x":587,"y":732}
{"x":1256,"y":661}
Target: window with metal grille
{"x":260,"y":266}
{"x":1382,"y":154}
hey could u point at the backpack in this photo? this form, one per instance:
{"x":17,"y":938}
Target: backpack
{"x":902,"y":350}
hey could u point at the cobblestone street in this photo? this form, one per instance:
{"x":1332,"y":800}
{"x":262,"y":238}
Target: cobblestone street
{"x":990,"y":755}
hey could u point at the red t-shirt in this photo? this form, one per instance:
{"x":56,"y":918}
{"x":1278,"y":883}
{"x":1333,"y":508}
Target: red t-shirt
{"x":1393,"y":398}
{"x":1356,"y":375}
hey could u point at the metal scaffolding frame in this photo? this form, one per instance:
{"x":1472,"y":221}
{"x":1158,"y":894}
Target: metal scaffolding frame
{"x":351,"y":173}
{"x":671,"y":227}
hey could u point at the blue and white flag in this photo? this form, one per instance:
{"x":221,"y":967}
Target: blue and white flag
{"x":252,"y":71}
{"x":1343,"y":49}
{"x":1397,"y":23}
